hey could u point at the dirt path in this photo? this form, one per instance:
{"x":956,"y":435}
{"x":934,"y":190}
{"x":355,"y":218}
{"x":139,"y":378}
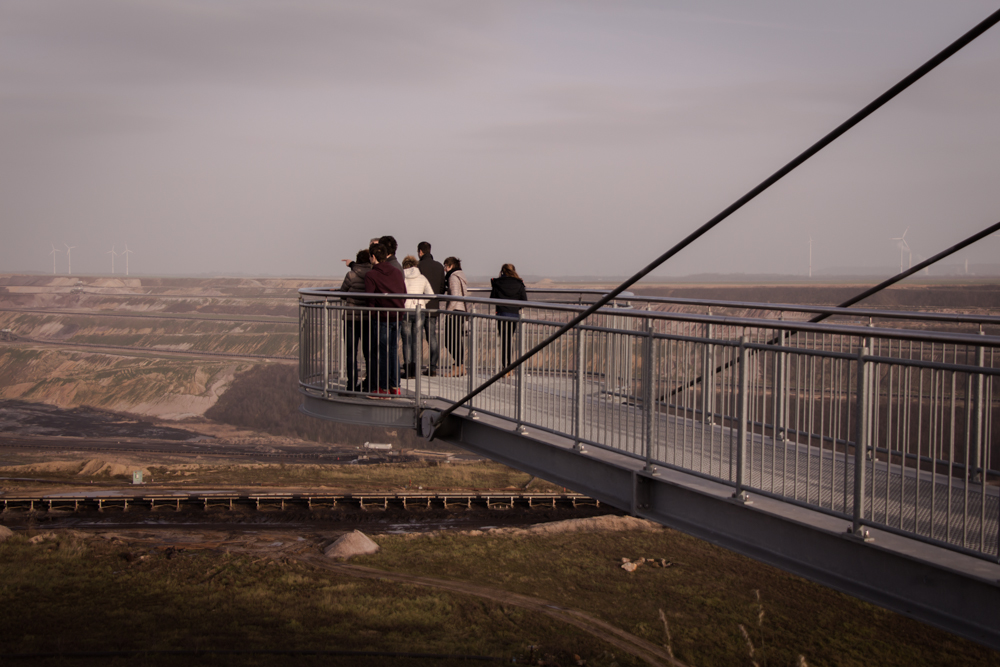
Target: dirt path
{"x":640,"y":648}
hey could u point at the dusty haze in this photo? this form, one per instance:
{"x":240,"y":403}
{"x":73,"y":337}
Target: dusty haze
{"x":567,"y":137}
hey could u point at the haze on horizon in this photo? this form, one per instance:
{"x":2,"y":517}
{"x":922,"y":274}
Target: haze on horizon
{"x":569,"y":137}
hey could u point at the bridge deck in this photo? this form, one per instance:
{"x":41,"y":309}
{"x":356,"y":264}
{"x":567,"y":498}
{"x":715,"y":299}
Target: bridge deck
{"x":819,"y":477}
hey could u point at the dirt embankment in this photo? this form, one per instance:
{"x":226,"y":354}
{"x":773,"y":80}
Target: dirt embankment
{"x":261,"y":338}
{"x":164,"y":388}
{"x":247,"y":397}
{"x":245,"y":297}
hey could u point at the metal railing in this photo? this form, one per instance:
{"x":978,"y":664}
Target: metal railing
{"x":894,"y":427}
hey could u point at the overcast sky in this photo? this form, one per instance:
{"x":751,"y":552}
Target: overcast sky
{"x":569,"y":138}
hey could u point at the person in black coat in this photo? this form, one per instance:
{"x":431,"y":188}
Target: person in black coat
{"x":509,"y":287}
{"x":434,"y":271}
{"x":356,"y":329}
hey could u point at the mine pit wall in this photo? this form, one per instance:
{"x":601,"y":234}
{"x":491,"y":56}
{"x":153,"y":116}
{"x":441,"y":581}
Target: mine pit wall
{"x":164,"y":388}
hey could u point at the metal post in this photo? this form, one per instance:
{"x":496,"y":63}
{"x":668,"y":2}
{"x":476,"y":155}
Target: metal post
{"x":326,"y":349}
{"x":418,"y":353}
{"x":740,"y":495}
{"x":708,"y":378}
{"x":862,"y":413}
{"x":578,"y":409}
{"x":974,"y":464}
{"x":305,"y":354}
{"x":648,"y":402}
{"x":780,"y":388}
{"x":471,"y":371}
{"x":521,"y":374}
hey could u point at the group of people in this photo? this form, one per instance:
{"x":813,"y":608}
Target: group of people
{"x":374,"y":334}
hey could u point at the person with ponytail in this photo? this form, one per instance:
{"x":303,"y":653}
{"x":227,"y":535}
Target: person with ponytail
{"x":457,"y":285}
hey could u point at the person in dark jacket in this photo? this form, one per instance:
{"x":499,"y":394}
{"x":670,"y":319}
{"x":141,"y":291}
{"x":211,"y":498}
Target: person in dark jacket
{"x":391,"y":246}
{"x":386,"y":279}
{"x":508,"y":287}
{"x":434,"y":272}
{"x":356,"y":329}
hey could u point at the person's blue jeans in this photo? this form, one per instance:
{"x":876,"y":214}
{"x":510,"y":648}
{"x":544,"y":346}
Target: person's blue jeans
{"x":408,"y":332}
{"x":388,"y":359}
{"x":431,"y":334}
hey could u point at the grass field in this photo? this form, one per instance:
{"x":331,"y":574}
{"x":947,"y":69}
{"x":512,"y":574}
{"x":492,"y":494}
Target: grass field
{"x":431,"y":476}
{"x":72,"y":594}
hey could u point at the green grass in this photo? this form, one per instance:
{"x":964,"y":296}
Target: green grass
{"x":432,"y":476}
{"x":705,"y":596}
{"x":73,"y":595}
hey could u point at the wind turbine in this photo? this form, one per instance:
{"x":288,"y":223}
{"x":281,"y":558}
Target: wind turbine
{"x":903,"y":247}
{"x":69,"y":259}
{"x":126,"y":253}
{"x":113,"y":254}
{"x":53,"y":253}
{"x":810,"y":257}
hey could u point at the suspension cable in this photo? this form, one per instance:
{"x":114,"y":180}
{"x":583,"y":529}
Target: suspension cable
{"x":862,"y":296}
{"x":877,"y":103}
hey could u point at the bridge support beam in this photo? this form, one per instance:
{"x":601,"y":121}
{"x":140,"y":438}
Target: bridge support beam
{"x":952,"y":591}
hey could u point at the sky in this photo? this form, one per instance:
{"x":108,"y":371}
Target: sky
{"x":570,"y":138}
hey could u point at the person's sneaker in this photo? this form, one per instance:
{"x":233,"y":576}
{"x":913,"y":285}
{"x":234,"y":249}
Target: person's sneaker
{"x":396,"y":391}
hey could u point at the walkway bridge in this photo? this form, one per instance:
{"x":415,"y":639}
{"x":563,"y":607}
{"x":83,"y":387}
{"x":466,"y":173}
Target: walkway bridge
{"x":860,"y":452}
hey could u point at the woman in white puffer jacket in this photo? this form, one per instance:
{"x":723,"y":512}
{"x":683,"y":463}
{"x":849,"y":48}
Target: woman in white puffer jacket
{"x":416,"y":283}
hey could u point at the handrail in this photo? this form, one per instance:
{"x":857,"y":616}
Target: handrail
{"x":880,"y":101}
{"x":786,"y":325}
{"x":833,"y":311}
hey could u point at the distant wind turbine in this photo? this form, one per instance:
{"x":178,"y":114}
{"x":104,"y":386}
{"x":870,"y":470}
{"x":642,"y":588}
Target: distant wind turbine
{"x":810,"y":257}
{"x":53,"y":253}
{"x":113,"y":254}
{"x":126,"y":253}
{"x":69,"y":259}
{"x":903,"y":247}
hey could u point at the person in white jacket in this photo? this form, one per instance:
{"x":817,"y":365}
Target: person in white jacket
{"x":416,"y":283}
{"x":455,"y":325}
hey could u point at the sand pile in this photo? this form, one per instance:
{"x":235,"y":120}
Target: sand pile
{"x":352,"y":544}
{"x":100,"y":467}
{"x":88,"y":468}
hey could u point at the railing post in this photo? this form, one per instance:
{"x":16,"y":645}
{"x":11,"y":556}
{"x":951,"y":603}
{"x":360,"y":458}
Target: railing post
{"x":521,"y":374}
{"x":326,"y":348}
{"x":648,"y":393}
{"x":780,"y":388}
{"x":341,"y":345}
{"x":305,"y":350}
{"x":578,"y":409}
{"x":418,"y":352}
{"x":471,"y":371}
{"x":740,"y":495}
{"x":708,"y":378}
{"x":973,"y":465}
{"x":862,"y":413}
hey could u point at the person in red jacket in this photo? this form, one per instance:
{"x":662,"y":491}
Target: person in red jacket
{"x":383,"y":278}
